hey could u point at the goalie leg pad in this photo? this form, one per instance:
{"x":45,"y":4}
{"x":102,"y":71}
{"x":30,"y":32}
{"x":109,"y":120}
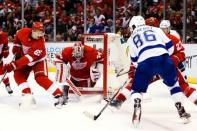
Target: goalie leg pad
{"x":62,"y":72}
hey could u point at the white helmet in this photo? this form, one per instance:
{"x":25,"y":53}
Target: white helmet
{"x":78,"y":50}
{"x":165,"y":24}
{"x":136,"y":21}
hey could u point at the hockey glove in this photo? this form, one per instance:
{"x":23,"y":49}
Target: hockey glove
{"x":9,"y":67}
{"x":5,"y":53}
{"x":17,"y":51}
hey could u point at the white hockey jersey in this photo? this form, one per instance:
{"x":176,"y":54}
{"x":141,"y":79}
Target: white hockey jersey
{"x":148,"y":41}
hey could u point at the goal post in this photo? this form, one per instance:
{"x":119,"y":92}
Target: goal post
{"x":99,"y":41}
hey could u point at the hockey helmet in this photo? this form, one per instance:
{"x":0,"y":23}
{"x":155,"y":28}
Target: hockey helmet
{"x":78,"y":50}
{"x":135,"y":22}
{"x":37,"y":30}
{"x":38,"y":26}
{"x":165,"y":26}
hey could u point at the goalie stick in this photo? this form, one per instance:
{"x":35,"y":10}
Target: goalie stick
{"x":73,"y":87}
{"x":95,"y":117}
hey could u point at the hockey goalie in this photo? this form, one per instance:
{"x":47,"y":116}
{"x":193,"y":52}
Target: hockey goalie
{"x":80,"y":65}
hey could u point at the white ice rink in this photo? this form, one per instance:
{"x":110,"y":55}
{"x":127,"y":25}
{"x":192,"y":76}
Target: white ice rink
{"x":158,"y":115}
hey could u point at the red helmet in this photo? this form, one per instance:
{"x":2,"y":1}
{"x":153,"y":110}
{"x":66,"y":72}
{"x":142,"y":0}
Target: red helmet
{"x":38,"y":26}
{"x":152,"y":21}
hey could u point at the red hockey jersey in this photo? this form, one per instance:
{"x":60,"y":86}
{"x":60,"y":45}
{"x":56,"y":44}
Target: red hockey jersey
{"x":33,"y":51}
{"x":178,"y":54}
{"x":81,"y":69}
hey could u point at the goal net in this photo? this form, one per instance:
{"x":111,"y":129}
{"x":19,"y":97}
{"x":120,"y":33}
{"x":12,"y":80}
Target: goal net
{"x":115,"y":59}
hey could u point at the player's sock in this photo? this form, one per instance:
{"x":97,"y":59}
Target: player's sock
{"x":48,"y":85}
{"x":25,"y":88}
{"x":7,"y":85}
{"x":192,"y":95}
{"x":189,"y":92}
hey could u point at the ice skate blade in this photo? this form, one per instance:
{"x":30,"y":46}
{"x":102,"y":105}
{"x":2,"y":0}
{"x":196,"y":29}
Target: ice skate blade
{"x":136,"y":123}
{"x":186,"y":120}
{"x":58,"y":106}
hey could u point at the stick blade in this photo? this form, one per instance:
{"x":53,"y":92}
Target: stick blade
{"x":90,"y":115}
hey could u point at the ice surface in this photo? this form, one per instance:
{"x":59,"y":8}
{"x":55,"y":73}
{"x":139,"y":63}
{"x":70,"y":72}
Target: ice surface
{"x":158,"y":115}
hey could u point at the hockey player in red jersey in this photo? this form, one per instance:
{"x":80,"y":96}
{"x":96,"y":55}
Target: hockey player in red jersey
{"x":84,"y":66}
{"x":30,"y":54}
{"x":4,"y":52}
{"x":178,"y":58}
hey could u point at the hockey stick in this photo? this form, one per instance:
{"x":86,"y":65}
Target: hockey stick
{"x":6,"y":71}
{"x":95,"y":117}
{"x":121,"y":74}
{"x":73,"y":87}
{"x":3,"y":76}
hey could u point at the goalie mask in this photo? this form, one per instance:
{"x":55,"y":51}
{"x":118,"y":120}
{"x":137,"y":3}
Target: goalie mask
{"x":78,"y":50}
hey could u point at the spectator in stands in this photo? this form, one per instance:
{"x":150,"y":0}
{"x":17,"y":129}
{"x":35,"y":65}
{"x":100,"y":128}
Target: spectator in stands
{"x":70,"y":13}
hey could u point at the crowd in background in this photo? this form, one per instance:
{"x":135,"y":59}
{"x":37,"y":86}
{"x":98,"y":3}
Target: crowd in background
{"x":70,"y":16}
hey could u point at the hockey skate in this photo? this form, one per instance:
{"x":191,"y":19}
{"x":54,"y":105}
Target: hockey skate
{"x":116,"y":104}
{"x":65,"y":100}
{"x":60,"y":101}
{"x":9,"y":90}
{"x":182,"y":113}
{"x":65,"y":94}
{"x":137,"y":112}
{"x":27,"y":101}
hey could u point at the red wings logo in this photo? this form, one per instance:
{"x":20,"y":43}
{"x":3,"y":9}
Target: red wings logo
{"x":79,"y":65}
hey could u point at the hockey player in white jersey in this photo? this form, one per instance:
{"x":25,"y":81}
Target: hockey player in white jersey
{"x":150,"y":49}
{"x":165,"y":24}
